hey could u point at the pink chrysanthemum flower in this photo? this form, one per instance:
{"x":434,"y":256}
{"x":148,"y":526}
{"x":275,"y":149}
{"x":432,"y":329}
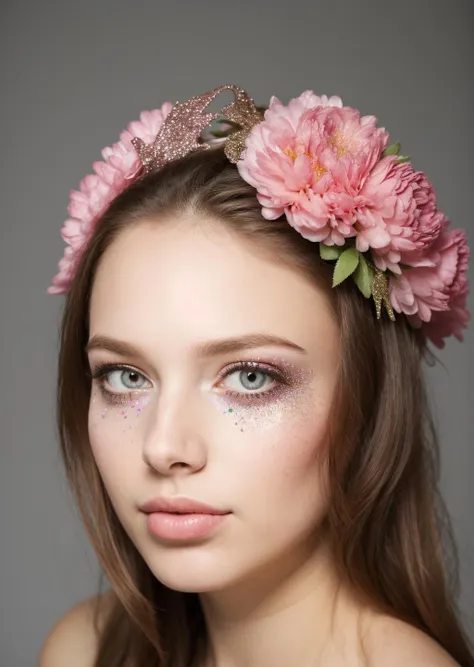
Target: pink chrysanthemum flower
{"x":120,"y":166}
{"x":397,"y":208}
{"x":309,"y":160}
{"x":434,"y":294}
{"x":451,"y":322}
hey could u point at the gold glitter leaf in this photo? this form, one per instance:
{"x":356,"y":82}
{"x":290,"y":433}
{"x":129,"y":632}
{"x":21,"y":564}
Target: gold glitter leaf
{"x":244,"y":113}
{"x":381,"y":295}
{"x":181,"y":130}
{"x":179,"y":133}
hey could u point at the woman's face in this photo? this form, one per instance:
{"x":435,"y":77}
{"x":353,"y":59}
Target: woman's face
{"x":215,"y":370}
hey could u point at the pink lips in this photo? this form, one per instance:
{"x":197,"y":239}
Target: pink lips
{"x":182,"y":518}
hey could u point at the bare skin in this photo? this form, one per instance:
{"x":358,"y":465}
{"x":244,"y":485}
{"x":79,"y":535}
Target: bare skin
{"x":73,"y":642}
{"x":266,"y":580}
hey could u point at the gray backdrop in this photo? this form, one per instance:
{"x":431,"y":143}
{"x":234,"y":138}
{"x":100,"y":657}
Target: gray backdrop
{"x":73,"y":75}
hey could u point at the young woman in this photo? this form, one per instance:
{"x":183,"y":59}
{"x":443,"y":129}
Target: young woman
{"x":242,"y":411}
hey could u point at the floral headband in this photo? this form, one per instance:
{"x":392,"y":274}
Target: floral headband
{"x":334,"y":176}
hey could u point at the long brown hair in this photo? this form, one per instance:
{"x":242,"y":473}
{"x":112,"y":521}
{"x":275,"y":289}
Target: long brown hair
{"x":391,"y":533}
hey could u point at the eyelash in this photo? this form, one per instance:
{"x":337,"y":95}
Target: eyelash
{"x":101,"y":372}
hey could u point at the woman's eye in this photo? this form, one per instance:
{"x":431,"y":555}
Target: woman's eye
{"x":249,"y":380}
{"x":125,"y":379}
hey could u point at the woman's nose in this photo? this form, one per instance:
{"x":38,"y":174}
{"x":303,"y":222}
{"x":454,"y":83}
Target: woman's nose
{"x":174,"y":442}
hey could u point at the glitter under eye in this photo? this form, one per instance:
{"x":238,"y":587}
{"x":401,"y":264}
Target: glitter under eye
{"x":262,"y":410}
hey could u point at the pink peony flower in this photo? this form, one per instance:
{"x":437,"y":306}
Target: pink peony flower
{"x":120,"y":166}
{"x":450,"y":322}
{"x":418,"y":291}
{"x":452,"y":246}
{"x":309,"y":160}
{"x":399,"y":205}
{"x":67,"y":267}
{"x":296,"y":107}
{"x":119,"y":159}
{"x":434,"y":294}
{"x":147,"y":127}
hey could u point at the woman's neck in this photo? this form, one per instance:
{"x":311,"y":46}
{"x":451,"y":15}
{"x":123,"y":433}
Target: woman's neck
{"x":283,"y":615}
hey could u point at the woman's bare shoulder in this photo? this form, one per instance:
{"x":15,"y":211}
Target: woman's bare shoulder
{"x":389,"y":642}
{"x":73,"y":639}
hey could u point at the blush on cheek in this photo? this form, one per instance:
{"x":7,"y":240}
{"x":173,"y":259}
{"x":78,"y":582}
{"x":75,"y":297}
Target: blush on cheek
{"x":116,"y":431}
{"x":284,"y":476}
{"x":283,"y":441}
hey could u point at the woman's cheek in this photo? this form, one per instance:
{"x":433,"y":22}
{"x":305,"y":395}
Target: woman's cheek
{"x":262,"y":412}
{"x":273,"y":466}
{"x":115,"y":428}
{"x":283,"y":435}
{"x":288,"y":476}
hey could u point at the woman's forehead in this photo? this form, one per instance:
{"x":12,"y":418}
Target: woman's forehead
{"x":201,"y":282}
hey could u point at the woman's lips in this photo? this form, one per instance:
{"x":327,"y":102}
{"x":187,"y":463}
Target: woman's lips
{"x":195,"y":526}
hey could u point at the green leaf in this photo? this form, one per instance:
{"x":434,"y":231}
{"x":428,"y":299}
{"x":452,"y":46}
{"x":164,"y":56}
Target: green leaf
{"x":403,"y":158}
{"x":329,"y":252}
{"x":345,"y":266}
{"x":393,"y":149}
{"x":363,"y":277}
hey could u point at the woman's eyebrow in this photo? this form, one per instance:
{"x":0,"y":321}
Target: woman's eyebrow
{"x":113,"y":345}
{"x":225,"y":345}
{"x":203,"y":350}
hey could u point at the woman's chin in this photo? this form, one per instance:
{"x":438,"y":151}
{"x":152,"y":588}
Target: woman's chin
{"x":190,"y":582}
{"x":191,"y":574}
